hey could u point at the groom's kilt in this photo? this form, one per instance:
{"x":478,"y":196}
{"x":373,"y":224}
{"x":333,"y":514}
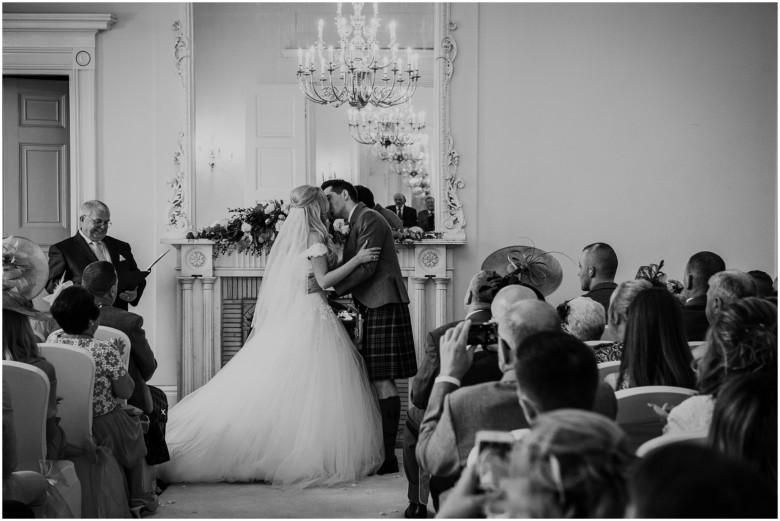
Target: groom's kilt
{"x":388,"y":344}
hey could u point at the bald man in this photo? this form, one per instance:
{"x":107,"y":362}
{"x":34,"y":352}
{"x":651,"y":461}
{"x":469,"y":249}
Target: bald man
{"x":407,"y":214}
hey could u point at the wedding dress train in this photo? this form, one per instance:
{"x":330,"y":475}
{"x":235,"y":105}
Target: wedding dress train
{"x":294,"y":407}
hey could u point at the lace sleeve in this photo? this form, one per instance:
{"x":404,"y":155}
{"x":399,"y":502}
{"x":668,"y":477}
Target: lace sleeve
{"x":316,"y":250}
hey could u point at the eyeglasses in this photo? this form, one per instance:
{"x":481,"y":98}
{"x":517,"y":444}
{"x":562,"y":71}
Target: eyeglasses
{"x":99,"y":222}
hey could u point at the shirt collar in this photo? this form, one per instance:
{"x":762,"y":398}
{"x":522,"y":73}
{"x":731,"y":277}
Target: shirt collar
{"x":349,"y":218}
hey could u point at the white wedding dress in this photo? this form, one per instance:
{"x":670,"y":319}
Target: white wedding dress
{"x":294,"y":407}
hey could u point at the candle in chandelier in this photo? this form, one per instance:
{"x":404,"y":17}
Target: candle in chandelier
{"x":320,"y":27}
{"x":330,"y":55}
{"x":300,"y":57}
{"x":415,"y":58}
{"x":400,"y":64}
{"x":311,"y":56}
{"x":422,"y":118}
{"x":338,"y":8}
{"x":391,"y":26}
{"x":376,"y":9}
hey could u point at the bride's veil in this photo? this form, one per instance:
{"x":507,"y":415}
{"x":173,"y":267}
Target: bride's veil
{"x":285,"y":278}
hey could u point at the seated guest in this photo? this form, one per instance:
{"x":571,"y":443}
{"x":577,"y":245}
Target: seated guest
{"x":407,"y":214}
{"x":21,"y":345}
{"x":698,"y":271}
{"x":572,"y":463}
{"x":744,"y":423}
{"x":655,"y":350}
{"x":743,"y":340}
{"x":685,"y":480}
{"x":724,"y":288}
{"x":24,"y":491}
{"x":617,"y":318}
{"x":484,"y":368}
{"x":582,"y":317}
{"x":77,"y":314}
{"x":765,"y":286}
{"x":366,"y":197}
{"x":597,"y":268}
{"x":425,"y":218}
{"x":100,"y":278}
{"x":454,"y":415}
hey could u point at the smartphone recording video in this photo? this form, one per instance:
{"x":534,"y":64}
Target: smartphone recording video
{"x":483,"y":334}
{"x":493,"y":449}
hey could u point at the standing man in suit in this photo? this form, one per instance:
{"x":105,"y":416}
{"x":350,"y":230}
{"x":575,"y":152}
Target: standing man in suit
{"x":366,"y":197}
{"x":407,"y":214}
{"x":425,"y":218}
{"x":380,"y":294}
{"x":90,"y":244}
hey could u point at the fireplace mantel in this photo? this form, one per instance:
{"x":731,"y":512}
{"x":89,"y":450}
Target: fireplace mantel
{"x":427,"y":267}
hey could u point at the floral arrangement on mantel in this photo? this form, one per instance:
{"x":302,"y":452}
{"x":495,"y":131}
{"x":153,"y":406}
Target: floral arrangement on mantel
{"x":253,"y":230}
{"x":247,"y":230}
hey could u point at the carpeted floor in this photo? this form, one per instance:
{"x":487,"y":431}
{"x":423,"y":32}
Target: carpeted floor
{"x":373,"y":497}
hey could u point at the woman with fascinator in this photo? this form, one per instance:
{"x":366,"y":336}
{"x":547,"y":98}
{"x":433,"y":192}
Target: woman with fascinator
{"x":294,"y":407}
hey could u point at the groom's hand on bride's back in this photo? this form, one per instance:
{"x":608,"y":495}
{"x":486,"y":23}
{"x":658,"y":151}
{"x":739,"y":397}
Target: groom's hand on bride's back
{"x":456,"y":356}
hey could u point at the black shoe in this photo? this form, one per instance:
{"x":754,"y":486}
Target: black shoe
{"x":389,"y":466}
{"x":416,"y":511}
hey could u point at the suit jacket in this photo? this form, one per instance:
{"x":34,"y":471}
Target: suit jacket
{"x":392,"y":218}
{"x":454,"y":416}
{"x":72,"y":255}
{"x":601,"y":293}
{"x":373,"y":284}
{"x":142,"y":362}
{"x":409,"y":216}
{"x":484,"y":367}
{"x":425,"y":220}
{"x":695,"y":318}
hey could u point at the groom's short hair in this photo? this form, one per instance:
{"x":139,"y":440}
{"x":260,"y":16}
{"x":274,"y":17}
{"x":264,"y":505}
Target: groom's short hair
{"x":339,"y":185}
{"x":366,"y":197}
{"x":99,"y":277}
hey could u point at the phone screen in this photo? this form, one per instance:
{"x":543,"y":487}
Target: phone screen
{"x":492,"y":463}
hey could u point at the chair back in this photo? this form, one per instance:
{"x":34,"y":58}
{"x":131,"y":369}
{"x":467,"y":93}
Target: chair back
{"x":28,"y":388}
{"x":108,"y":334}
{"x":699,"y":436}
{"x":607,"y":368}
{"x":75,"y":383}
{"x":637,"y":419}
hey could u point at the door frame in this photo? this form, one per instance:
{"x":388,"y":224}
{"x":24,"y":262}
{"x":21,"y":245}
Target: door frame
{"x":63,"y":45}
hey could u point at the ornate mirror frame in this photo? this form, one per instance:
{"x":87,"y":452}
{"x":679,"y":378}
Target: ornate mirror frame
{"x":450,"y":217}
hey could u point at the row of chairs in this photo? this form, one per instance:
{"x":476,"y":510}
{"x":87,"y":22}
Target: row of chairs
{"x":29,"y":388}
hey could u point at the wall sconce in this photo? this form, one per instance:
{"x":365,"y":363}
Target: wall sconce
{"x":215,"y":154}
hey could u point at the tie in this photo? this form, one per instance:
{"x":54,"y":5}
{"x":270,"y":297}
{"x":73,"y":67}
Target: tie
{"x":98,"y":250}
{"x":400,"y":213}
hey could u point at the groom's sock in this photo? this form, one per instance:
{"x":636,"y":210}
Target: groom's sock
{"x":391,"y":415}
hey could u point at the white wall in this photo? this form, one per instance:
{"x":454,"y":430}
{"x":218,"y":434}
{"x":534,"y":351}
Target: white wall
{"x":137,"y":113}
{"x":652,"y":127}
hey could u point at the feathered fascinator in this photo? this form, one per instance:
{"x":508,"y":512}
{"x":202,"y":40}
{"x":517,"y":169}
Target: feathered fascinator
{"x":526,"y":265}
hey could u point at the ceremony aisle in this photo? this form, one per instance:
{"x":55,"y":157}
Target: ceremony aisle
{"x":374,"y":497}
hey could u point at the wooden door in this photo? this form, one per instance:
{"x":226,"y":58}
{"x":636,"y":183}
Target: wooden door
{"x":36,"y":141}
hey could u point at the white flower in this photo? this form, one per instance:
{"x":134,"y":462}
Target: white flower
{"x":270,"y":207}
{"x":224,"y":223}
{"x":246,"y":227}
{"x":248,"y":237}
{"x":341,"y":226}
{"x":286,"y":207}
{"x":278,"y":225}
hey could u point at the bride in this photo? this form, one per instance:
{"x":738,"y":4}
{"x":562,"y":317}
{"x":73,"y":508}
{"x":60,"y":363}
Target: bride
{"x":294,"y":406}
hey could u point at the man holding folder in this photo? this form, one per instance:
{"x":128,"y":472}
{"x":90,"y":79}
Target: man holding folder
{"x":68,"y":258}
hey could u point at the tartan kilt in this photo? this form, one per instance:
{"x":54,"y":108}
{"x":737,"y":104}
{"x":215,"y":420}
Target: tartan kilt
{"x":388,"y":344}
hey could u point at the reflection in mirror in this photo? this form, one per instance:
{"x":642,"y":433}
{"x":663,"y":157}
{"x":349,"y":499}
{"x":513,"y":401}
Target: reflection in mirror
{"x":246,"y":56}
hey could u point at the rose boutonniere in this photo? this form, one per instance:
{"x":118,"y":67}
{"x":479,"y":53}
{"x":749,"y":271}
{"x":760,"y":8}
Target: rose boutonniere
{"x":341,"y":229}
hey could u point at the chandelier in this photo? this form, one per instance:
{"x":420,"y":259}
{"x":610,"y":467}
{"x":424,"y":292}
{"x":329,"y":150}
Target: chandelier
{"x":358,"y":73}
{"x":409,"y":162}
{"x":385,"y":127}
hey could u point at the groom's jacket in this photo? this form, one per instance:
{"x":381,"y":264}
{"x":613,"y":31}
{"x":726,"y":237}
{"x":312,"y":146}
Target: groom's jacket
{"x":373,"y":284}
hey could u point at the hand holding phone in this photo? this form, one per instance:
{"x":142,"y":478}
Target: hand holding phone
{"x":493,"y":450}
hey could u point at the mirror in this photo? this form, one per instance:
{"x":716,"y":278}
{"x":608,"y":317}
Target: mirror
{"x":237,"y":46}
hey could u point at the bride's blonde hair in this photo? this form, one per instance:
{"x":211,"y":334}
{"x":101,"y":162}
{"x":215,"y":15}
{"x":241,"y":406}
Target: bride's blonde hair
{"x":315,"y":206}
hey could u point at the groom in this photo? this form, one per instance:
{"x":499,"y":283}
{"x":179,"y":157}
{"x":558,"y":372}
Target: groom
{"x":379,"y":292}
